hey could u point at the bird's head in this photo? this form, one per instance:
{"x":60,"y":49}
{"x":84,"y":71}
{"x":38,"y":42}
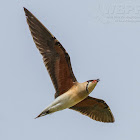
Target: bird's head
{"x":91,"y":85}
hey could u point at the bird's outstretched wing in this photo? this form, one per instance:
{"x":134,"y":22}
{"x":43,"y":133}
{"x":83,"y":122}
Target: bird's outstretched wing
{"x":55,"y":57}
{"x":94,"y":108}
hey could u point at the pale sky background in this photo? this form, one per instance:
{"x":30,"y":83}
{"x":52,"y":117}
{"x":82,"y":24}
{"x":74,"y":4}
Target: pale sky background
{"x":103,"y":41}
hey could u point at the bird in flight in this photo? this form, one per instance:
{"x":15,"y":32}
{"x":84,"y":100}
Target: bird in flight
{"x":69,"y":92}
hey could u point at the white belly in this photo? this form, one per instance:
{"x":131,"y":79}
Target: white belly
{"x":67,"y":100}
{"x":62,"y":102}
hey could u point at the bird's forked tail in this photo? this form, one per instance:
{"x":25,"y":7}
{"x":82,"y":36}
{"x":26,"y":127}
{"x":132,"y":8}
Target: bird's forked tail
{"x":43,"y":113}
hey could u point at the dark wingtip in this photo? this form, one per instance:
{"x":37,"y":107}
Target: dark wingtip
{"x":98,"y":80}
{"x":113,"y":119}
{"x":24,"y":9}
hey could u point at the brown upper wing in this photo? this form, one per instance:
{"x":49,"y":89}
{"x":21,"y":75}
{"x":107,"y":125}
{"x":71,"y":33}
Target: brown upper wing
{"x":95,"y":108}
{"x":56,"y":59}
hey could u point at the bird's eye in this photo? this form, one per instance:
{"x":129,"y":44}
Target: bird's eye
{"x":89,"y":81}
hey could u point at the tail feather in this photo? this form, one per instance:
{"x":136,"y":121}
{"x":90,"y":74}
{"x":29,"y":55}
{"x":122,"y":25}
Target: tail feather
{"x":43,"y":113}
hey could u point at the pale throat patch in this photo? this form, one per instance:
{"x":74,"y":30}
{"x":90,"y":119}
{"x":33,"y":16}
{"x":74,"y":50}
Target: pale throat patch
{"x":90,"y":86}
